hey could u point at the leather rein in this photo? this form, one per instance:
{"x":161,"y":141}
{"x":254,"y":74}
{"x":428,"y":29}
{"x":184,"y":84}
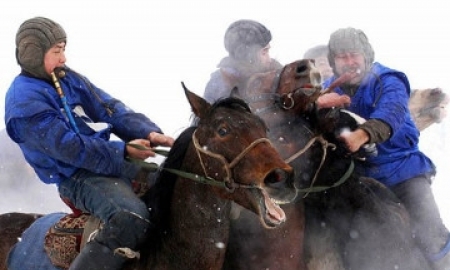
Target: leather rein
{"x":228,"y":182}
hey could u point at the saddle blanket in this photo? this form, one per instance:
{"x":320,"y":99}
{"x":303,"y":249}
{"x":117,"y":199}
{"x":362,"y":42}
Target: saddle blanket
{"x":29,"y":253}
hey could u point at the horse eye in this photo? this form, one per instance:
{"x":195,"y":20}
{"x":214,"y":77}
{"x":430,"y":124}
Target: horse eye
{"x":222,"y":131}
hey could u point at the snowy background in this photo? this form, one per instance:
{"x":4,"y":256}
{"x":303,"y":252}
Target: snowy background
{"x":140,"y":51}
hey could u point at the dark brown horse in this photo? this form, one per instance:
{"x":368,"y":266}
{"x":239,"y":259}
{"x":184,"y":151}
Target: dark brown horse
{"x":229,"y":155}
{"x":352,"y":222}
{"x":11,"y":227}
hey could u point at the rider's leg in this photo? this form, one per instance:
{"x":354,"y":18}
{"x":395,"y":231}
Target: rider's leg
{"x":125,"y":217}
{"x":429,"y":230}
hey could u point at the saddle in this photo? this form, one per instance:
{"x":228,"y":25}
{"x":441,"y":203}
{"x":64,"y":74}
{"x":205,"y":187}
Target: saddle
{"x":65,"y":239}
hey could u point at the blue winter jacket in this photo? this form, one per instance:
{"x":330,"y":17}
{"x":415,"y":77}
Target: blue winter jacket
{"x":36,"y":120}
{"x":384,"y":94}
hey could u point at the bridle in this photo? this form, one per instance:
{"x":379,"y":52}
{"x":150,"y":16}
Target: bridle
{"x":228,"y":181}
{"x":285,"y":101}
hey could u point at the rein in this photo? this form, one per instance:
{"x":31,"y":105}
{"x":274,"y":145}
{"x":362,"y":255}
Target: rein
{"x":325,"y":146}
{"x":341,"y":180}
{"x":228,"y":182}
{"x":286,"y":102}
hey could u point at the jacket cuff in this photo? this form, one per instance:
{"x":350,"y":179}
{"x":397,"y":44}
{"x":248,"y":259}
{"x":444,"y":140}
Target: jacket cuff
{"x":378,"y":130}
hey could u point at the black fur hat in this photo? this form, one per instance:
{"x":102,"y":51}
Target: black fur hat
{"x":33,"y":39}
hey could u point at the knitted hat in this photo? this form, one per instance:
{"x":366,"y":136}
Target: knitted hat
{"x":243,"y":37}
{"x":33,"y":39}
{"x":350,"y":40}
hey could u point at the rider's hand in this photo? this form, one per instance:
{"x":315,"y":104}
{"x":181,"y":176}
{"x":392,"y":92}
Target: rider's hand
{"x":354,"y":139}
{"x":139,"y":149}
{"x":158,"y":139}
{"x":330,"y":100}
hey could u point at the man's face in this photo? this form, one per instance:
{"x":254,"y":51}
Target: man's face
{"x":264,"y":56}
{"x":55,"y":57}
{"x":351,"y":62}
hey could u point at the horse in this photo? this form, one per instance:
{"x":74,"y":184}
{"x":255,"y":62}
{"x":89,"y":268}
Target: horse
{"x":428,"y":106}
{"x":12,"y":225}
{"x":216,"y":161}
{"x":344,"y":220}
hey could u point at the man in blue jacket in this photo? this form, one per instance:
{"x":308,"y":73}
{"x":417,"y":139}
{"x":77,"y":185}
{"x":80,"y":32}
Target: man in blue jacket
{"x":380,"y":95}
{"x":63,"y":125}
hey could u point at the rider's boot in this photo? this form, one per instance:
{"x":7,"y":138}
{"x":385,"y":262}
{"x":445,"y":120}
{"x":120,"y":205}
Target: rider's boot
{"x":113,"y":244}
{"x":95,"y":256}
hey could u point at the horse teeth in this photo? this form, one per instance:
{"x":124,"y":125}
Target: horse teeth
{"x":276,"y":201}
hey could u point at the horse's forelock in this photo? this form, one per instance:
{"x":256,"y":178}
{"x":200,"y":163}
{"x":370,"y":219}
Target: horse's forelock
{"x":233,"y":103}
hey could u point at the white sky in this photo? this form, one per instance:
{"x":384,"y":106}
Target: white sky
{"x":140,"y":51}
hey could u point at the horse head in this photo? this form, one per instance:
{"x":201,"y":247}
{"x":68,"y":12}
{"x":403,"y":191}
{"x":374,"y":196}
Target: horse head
{"x":293,"y":88}
{"x":284,"y":98}
{"x":428,"y":106}
{"x":231,"y":145}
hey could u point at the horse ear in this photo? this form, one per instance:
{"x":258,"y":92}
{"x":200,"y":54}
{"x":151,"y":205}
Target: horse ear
{"x":199,"y":105}
{"x":235,"y":93}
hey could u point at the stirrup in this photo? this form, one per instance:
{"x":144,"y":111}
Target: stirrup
{"x":441,"y":254}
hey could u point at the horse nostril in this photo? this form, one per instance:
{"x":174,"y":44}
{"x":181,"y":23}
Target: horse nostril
{"x":301,"y":69}
{"x":277,"y":176}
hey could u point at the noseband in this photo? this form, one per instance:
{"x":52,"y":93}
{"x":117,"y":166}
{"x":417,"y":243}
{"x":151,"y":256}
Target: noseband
{"x":230,"y":184}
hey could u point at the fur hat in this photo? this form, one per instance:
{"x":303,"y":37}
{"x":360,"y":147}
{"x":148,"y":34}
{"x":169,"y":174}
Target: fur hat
{"x":33,"y":39}
{"x":316,"y":51}
{"x":244,"y":37}
{"x":350,"y":40}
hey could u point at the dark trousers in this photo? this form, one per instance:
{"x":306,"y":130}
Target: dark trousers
{"x":114,"y":202}
{"x":428,"y":228}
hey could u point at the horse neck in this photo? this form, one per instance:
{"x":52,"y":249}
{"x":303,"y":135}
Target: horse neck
{"x":199,"y":224}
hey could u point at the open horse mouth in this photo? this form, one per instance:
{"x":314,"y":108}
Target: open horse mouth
{"x":278,"y":189}
{"x":272,"y":214}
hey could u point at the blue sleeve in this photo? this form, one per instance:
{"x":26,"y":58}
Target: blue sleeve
{"x":392,"y":105}
{"x":126,"y":123}
{"x":53,"y":139}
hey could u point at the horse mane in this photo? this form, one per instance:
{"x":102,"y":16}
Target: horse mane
{"x":231,"y":102}
{"x":159,"y":196}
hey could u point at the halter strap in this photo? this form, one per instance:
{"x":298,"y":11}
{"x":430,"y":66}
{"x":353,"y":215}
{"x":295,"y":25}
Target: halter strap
{"x":228,"y":180}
